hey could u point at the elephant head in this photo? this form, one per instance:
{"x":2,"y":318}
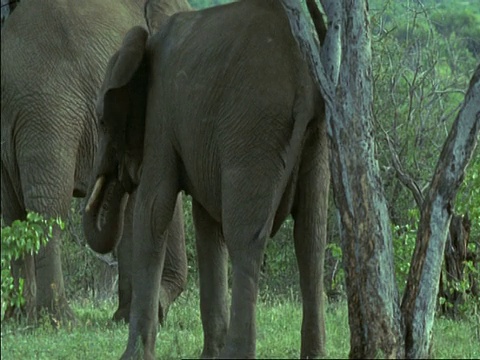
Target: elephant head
{"x":121,"y":112}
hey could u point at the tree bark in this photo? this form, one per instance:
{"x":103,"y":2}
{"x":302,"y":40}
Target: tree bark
{"x":456,"y":249}
{"x":7,"y":6}
{"x":373,"y":300}
{"x":378,"y":326}
{"x":418,"y":305}
{"x":456,"y":253}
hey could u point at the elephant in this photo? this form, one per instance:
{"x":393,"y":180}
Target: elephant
{"x":220,"y":104}
{"x":54,"y":55}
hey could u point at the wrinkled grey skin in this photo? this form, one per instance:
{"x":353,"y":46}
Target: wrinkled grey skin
{"x":218,"y":103}
{"x":54,"y":55}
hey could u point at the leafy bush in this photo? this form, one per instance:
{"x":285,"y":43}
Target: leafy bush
{"x":460,"y":22}
{"x":404,"y":240}
{"x":468,"y":202}
{"x":279,"y":272}
{"x":335,"y":284}
{"x":190,"y":240}
{"x":19,"y":239}
{"x":468,"y":197}
{"x":422,"y":66}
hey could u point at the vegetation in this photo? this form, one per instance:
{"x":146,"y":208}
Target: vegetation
{"x":96,"y":337}
{"x":423,"y":61}
{"x":19,"y":239}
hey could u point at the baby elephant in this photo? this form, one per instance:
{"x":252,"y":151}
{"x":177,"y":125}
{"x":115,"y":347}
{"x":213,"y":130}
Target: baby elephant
{"x":218,"y":103}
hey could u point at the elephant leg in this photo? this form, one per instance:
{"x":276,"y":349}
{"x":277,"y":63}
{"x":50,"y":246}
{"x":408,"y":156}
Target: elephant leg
{"x":247,"y":221}
{"x":310,"y":217}
{"x":212,"y":261}
{"x":48,"y":190}
{"x":175,"y":271}
{"x":154,"y":210}
{"x":124,"y":252}
{"x":49,"y":275}
{"x":23,"y":268}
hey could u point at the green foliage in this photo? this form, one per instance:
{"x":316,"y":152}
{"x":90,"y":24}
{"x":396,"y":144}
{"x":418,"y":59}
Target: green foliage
{"x":468,"y":197}
{"x":190,"y":239}
{"x":469,"y":303}
{"x":456,"y":339}
{"x":404,"y":240}
{"x":459,"y":23}
{"x":278,"y":333}
{"x":19,"y":239}
{"x":421,"y":66}
{"x":337,"y":283}
{"x":279,"y":274}
{"x":468,"y":202}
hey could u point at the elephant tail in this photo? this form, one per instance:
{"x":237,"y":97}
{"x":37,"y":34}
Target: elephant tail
{"x":318,"y":21}
{"x":305,"y":110}
{"x":304,"y":115}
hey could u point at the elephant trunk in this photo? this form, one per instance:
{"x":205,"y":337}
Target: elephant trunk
{"x":104,"y":213}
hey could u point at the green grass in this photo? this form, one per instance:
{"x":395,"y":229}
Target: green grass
{"x":457,"y":339}
{"x":278,"y":334}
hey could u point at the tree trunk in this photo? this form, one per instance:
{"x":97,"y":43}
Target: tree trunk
{"x":375,"y":318}
{"x":373,"y":300}
{"x":7,"y":7}
{"x":419,"y":300}
{"x":456,"y":249}
{"x":456,"y":253}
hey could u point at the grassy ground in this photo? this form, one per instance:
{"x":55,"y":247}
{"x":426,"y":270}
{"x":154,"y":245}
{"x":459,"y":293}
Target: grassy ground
{"x":278,"y":324}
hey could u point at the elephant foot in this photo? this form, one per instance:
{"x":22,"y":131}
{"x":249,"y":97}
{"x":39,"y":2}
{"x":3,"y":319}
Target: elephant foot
{"x":123,"y":311}
{"x":208,"y":354}
{"x":122,"y":314}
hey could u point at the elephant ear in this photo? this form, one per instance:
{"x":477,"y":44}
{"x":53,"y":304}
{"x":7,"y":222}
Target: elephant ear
{"x":122,"y":102}
{"x":157,"y":12}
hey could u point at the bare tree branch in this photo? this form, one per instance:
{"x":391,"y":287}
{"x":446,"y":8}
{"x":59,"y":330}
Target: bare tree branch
{"x":418,"y":305}
{"x":406,"y":179}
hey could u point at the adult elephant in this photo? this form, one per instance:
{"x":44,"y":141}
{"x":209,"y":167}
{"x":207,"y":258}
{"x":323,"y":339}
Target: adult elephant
{"x":220,"y":104}
{"x":54,"y":55}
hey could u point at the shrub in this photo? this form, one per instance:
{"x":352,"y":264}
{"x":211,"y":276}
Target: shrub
{"x":20,"y":238}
